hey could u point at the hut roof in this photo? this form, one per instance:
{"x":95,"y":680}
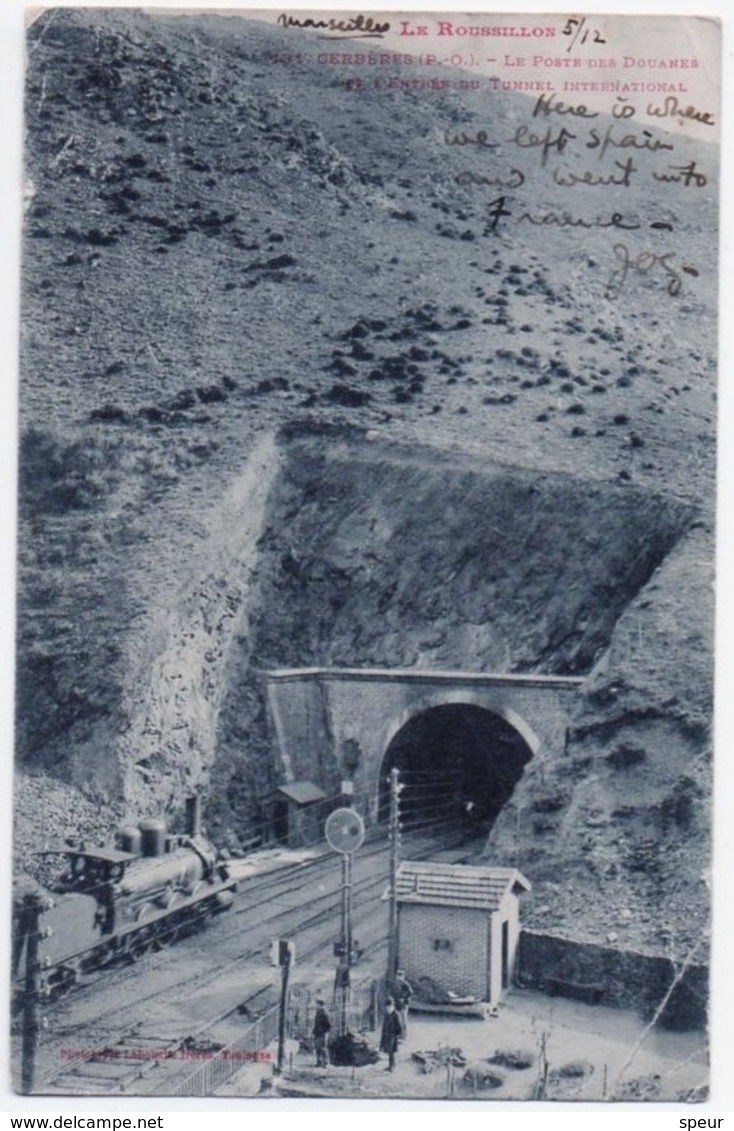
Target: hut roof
{"x":300,"y":792}
{"x":457,"y":885}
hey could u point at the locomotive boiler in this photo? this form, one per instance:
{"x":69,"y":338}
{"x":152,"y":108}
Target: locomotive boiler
{"x":118,"y":902}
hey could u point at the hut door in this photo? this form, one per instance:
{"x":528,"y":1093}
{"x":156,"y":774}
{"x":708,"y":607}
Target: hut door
{"x":279,"y":822}
{"x":505,"y":954}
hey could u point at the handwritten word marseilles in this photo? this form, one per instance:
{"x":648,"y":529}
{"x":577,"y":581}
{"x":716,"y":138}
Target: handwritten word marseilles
{"x":353,"y":27}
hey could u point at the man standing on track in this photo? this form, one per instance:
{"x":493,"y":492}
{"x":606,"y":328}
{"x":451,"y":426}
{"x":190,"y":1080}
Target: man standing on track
{"x":321,"y":1028}
{"x":391,"y":1033}
{"x":402,"y":993}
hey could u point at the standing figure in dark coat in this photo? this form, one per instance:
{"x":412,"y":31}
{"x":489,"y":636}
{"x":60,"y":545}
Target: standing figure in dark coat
{"x":321,"y":1028}
{"x":391,"y":1032}
{"x":402,"y":993}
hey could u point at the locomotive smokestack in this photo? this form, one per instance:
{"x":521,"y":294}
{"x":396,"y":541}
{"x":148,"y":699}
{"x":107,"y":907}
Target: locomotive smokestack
{"x":193,"y":815}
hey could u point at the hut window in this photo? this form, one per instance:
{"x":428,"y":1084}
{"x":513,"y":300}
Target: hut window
{"x":443,"y":944}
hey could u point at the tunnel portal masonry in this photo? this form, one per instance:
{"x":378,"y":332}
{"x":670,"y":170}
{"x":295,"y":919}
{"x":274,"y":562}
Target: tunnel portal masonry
{"x":331,"y":723}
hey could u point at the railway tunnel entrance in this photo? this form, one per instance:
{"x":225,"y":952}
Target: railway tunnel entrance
{"x":460,"y":739}
{"x":458,"y":763}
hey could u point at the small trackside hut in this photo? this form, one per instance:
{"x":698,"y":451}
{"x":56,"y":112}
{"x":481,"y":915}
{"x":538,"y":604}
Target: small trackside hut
{"x":295,"y":814}
{"x":458,"y":927}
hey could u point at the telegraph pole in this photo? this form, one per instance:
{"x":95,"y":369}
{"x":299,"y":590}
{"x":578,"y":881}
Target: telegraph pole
{"x":32,"y":907}
{"x":285,"y":960}
{"x":343,"y":978}
{"x":392,"y":930}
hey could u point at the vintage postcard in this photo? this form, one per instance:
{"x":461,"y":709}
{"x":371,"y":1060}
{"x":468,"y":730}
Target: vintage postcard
{"x":366,"y":536}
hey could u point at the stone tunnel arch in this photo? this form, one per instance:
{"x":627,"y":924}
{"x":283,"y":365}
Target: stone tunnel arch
{"x":459,"y":763}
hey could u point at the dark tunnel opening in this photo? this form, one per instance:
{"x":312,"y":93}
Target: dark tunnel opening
{"x":458,"y":765}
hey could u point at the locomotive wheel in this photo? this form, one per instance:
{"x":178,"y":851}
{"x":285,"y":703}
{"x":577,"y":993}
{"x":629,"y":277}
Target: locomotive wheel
{"x":143,"y":939}
{"x":170,"y":932}
{"x":142,"y":942}
{"x":171,"y":927}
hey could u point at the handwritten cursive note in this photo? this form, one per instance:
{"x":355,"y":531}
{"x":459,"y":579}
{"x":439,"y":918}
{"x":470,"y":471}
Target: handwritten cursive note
{"x":604,"y":127}
{"x":602,"y":155}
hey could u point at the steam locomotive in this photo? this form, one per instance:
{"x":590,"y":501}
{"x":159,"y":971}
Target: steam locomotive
{"x":114,"y":903}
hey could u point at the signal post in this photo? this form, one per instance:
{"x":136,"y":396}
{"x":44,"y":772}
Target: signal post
{"x":344,"y":831}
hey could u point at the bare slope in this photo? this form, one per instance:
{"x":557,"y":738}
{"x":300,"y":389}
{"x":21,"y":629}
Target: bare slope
{"x":216,"y":245}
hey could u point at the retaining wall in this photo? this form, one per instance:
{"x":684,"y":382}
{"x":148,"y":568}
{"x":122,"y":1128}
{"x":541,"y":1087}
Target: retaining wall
{"x":611,"y":976}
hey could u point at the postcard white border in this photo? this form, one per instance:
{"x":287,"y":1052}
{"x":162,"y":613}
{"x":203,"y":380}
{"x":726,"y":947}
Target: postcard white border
{"x":185,"y":1115}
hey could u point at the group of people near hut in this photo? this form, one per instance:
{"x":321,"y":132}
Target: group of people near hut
{"x":394,"y":1023}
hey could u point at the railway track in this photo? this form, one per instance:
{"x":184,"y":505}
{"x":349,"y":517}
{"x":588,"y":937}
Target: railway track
{"x":254,"y":891}
{"x":110,"y":982}
{"x":103,"y":1045}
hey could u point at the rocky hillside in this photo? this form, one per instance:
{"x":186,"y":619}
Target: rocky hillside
{"x":290,"y":396}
